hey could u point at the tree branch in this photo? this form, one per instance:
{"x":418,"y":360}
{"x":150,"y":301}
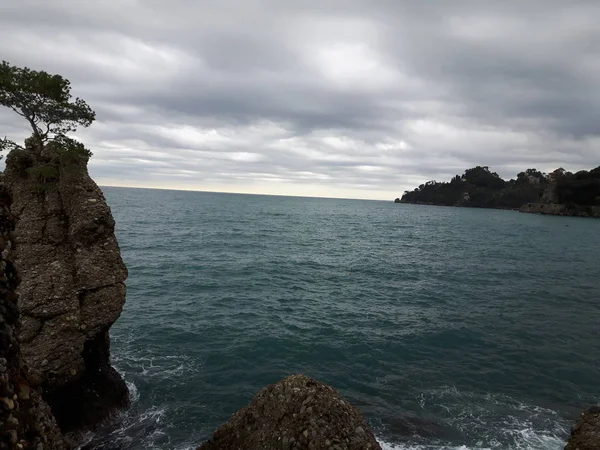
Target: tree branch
{"x":45,"y":133}
{"x":17,"y":111}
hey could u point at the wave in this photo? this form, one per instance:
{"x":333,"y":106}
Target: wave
{"x":149,"y":427}
{"x":389,"y":446}
{"x":139,"y":428}
{"x":530,"y":440}
{"x":443,"y":418}
{"x":478,"y":422}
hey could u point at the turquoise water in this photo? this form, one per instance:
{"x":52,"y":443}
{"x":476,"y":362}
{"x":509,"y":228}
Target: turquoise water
{"x":448,"y":327}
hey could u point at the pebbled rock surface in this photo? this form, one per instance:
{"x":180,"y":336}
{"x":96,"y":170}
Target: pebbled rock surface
{"x":25,"y":419}
{"x":298,"y":412}
{"x":72,"y":285}
{"x":585,"y":435}
{"x":556,"y":209}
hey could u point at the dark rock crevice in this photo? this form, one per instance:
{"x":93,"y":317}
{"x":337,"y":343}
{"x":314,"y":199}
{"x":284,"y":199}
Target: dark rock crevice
{"x":87,"y":402}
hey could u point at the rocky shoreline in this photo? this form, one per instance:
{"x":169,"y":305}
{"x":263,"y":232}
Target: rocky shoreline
{"x":560,"y":192}
{"x":551,"y":209}
{"x":62,"y":284}
{"x":585,"y":434}
{"x":554,"y":209}
{"x":70,"y":290}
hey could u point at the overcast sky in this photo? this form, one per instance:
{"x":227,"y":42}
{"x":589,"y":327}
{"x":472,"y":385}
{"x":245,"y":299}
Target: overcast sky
{"x":341,"y":98}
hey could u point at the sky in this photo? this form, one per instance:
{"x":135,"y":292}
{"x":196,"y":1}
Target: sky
{"x":331,"y":98}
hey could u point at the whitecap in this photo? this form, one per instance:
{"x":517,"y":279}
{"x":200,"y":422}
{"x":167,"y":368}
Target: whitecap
{"x":134,"y":394}
{"x":389,"y":446}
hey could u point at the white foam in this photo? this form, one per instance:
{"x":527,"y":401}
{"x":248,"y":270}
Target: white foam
{"x":528,"y":440}
{"x":174,"y":368}
{"x":134,"y":394}
{"x":533,"y":440}
{"x":389,"y":446}
{"x":503,"y":422}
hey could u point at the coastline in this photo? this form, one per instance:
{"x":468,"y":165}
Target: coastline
{"x":348,"y":432}
{"x":548,"y":209}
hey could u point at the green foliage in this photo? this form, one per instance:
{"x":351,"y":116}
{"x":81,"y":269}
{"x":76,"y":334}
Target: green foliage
{"x":44,"y":101}
{"x":481,"y":188}
{"x":43,"y":174}
{"x":7,"y":144}
{"x":482,"y":177}
{"x":581,"y":188}
{"x":71,"y":151}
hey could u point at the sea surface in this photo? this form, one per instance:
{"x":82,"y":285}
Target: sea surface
{"x":450,"y":328}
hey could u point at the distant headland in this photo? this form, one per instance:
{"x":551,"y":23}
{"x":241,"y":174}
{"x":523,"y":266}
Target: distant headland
{"x":557,"y":193}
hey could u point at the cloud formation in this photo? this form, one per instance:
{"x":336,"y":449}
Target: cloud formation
{"x":342,"y":98}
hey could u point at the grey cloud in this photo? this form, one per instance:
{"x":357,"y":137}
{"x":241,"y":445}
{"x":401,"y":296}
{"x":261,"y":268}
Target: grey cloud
{"x":412,"y":90}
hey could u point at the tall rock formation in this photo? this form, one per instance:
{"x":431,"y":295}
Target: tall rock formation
{"x":72,"y":284}
{"x":25,"y":418}
{"x":296,"y":413}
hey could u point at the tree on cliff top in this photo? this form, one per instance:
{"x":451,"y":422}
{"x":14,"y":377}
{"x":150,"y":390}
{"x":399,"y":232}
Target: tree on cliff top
{"x":45,"y":102}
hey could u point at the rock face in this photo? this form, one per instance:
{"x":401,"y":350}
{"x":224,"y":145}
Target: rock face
{"x":556,"y":209}
{"x":585,"y":435}
{"x":25,"y":418}
{"x":72,"y":284}
{"x":295,"y":413}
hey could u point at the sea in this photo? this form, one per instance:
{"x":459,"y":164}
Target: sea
{"x":449,"y":328}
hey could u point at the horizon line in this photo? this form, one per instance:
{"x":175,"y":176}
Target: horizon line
{"x":242,"y":193}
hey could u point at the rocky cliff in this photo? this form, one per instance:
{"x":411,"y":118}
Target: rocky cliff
{"x":556,"y":209}
{"x":585,"y":435}
{"x":295,"y":413}
{"x":71,"y":284}
{"x":25,"y":418}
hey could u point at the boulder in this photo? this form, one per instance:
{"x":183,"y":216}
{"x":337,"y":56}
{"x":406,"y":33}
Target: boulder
{"x":298,"y":412}
{"x":585,"y":435}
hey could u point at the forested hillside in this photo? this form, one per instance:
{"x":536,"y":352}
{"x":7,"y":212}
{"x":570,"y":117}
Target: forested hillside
{"x":480,"y":187}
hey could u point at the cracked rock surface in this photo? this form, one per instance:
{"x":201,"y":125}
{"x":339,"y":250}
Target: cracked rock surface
{"x":25,"y":418}
{"x":72,"y":286}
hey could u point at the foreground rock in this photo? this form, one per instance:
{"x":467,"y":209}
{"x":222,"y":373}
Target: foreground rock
{"x":25,"y":418}
{"x":72,"y":285}
{"x":295,"y":413}
{"x":585,"y":435}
